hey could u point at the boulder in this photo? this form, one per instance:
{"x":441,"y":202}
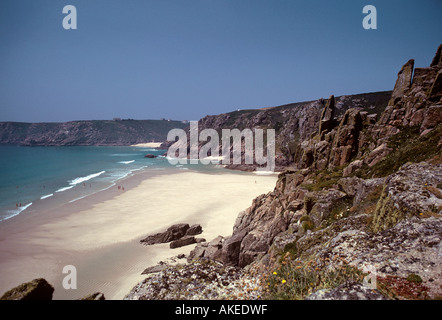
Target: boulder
{"x":94,"y":296}
{"x":37,"y":289}
{"x":352,"y":167}
{"x":149,"y":155}
{"x":231,"y":248}
{"x":194,"y":230}
{"x":210,"y":250}
{"x":172,"y":233}
{"x":184,"y":241}
{"x":378,"y":154}
{"x":154,"y":269}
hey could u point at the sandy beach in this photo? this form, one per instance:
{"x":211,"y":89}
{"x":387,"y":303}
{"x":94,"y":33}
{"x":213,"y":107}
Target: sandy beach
{"x":100,"y":234}
{"x":148,"y":145}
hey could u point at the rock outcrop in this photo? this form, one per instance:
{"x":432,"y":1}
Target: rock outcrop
{"x":94,"y":296}
{"x":294,"y":124}
{"x":178,"y":235}
{"x":359,"y":195}
{"x":37,"y":289}
{"x":201,"y":280}
{"x":330,"y":213}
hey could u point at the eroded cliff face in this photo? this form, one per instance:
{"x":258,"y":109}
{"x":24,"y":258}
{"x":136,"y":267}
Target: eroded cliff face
{"x":363,"y":192}
{"x":293,"y":123}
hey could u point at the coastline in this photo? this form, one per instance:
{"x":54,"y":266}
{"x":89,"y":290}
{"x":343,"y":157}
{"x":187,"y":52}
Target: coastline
{"x":100,"y":234}
{"x":148,"y":145}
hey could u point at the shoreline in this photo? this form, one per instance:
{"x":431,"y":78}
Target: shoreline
{"x":148,"y":145}
{"x":100,"y":234}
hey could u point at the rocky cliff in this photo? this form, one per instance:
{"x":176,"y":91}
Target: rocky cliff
{"x":363,"y":194}
{"x":294,"y":123}
{"x":86,"y":133}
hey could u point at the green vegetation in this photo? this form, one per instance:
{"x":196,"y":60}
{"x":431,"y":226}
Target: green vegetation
{"x":340,"y":210}
{"x":408,"y":146}
{"x":414,"y":278}
{"x":308,"y":225}
{"x":324,"y":179}
{"x":295,"y":280}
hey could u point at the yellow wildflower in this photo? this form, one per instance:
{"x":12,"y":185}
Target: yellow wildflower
{"x":275,"y":273}
{"x":283,"y":281}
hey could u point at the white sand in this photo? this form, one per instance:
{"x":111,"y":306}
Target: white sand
{"x":147,"y":145}
{"x":102,"y":240}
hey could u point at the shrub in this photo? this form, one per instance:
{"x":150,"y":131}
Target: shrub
{"x":308,"y":225}
{"x":296,"y":280}
{"x":414,"y":278}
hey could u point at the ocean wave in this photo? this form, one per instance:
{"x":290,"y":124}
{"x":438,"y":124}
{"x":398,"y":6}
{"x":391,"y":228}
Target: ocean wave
{"x":123,"y":154}
{"x":83,"y":179}
{"x":13,"y":213}
{"x":46,"y":196}
{"x":126,"y":162}
{"x":64,"y":189}
{"x":79,"y":198}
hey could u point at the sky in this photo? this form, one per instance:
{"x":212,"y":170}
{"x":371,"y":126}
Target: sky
{"x":185,"y":59}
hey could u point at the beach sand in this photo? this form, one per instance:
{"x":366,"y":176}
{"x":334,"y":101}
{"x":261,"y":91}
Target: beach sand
{"x":100,"y":234}
{"x":148,"y":145}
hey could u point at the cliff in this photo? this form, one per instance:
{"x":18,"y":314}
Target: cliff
{"x":356,"y":214}
{"x":293,"y":123}
{"x":86,"y":133}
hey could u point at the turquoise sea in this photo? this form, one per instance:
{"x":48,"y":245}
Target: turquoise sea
{"x":31,"y":175}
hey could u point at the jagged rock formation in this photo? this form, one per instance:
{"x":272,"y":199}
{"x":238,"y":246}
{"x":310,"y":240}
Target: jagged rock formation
{"x":86,"y":133}
{"x":355,"y":199}
{"x":293,"y":123}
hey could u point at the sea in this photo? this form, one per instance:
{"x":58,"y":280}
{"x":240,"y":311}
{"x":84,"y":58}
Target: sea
{"x":30,"y":176}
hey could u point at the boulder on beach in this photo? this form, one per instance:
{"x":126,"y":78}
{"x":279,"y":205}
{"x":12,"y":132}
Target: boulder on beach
{"x":174,"y":232}
{"x":185,"y":241}
{"x":194,"y":230}
{"x":149,"y":155}
{"x":37,"y":289}
{"x":94,"y":296}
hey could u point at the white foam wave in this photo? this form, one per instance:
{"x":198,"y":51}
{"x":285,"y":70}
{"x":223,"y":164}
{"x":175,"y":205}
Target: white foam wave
{"x":13,"y":213}
{"x":126,"y":162}
{"x":123,"y":154}
{"x":83,"y":179}
{"x":64,"y":189}
{"x":46,"y":196}
{"x":78,"y":198}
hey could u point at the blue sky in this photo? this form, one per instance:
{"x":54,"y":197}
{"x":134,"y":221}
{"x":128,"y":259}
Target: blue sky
{"x":184,"y":59}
